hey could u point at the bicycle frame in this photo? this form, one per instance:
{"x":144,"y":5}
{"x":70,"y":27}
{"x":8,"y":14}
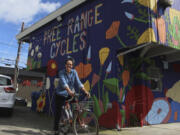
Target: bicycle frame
{"x":76,"y":115}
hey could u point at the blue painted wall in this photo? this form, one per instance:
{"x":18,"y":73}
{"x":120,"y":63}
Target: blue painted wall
{"x":93,"y":33}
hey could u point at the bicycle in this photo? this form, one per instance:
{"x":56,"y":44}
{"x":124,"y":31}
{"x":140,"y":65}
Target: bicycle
{"x":78,"y":118}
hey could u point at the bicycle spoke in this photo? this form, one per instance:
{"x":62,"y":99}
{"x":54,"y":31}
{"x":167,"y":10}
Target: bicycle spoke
{"x":86,"y":123}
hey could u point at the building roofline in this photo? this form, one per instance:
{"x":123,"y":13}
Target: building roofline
{"x":22,"y":72}
{"x":72,"y":4}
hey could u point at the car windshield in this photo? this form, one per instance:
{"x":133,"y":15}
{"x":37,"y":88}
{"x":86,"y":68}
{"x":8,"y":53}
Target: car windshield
{"x":4,"y":81}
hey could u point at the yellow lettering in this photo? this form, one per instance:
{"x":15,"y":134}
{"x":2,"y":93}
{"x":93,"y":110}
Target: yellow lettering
{"x":67,"y":49}
{"x":58,"y":32}
{"x":97,"y":14}
{"x":54,"y":34}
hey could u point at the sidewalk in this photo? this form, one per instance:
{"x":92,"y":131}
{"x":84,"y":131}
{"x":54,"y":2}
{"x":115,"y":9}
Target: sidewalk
{"x":26,"y":122}
{"x":161,"y":129}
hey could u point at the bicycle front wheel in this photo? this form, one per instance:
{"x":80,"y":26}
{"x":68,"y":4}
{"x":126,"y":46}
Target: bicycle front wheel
{"x":85,"y":123}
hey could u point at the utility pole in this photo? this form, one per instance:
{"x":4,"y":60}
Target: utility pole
{"x":16,"y":69}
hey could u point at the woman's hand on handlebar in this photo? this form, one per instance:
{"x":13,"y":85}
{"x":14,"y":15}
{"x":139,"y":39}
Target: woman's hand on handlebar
{"x":87,"y":94}
{"x":71,"y":93}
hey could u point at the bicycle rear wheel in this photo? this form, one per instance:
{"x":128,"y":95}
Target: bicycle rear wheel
{"x":85,"y":123}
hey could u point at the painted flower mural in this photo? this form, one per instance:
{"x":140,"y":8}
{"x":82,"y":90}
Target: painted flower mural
{"x":147,"y":36}
{"x":160,"y":112}
{"x":108,"y":120}
{"x":161,"y":27}
{"x":173,"y":28}
{"x":95,"y":79}
{"x":87,"y":85}
{"x":131,"y":17}
{"x":52,"y":67}
{"x":83,"y":70}
{"x":112,"y":32}
{"x":174,"y":92}
{"x":41,"y":103}
{"x":137,"y":103}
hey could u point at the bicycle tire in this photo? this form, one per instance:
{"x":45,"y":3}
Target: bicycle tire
{"x":90,"y":124}
{"x":64,"y":125}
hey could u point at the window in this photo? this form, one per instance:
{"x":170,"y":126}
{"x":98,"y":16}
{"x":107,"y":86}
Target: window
{"x":155,"y":78}
{"x":4,"y":81}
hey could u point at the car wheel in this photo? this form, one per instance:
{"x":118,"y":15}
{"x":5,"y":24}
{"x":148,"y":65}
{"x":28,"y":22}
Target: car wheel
{"x":10,"y":111}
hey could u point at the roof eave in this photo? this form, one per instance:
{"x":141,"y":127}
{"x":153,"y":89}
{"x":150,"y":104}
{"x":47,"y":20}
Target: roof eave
{"x":72,"y":4}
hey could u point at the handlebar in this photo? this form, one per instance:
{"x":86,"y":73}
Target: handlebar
{"x":76,"y":97}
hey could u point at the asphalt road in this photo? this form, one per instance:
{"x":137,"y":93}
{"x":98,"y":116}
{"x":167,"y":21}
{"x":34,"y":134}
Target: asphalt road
{"x":26,"y":122}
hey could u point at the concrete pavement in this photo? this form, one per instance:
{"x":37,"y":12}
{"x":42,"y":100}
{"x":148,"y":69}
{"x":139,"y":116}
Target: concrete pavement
{"x":26,"y":122}
{"x":161,"y":129}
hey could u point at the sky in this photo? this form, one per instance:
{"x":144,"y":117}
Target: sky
{"x":12,"y":14}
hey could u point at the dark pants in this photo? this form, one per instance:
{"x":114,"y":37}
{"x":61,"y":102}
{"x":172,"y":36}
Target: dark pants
{"x":59,"y":102}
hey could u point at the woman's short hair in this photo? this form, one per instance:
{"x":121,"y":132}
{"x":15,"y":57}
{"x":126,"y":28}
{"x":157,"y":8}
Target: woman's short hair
{"x":69,"y":58}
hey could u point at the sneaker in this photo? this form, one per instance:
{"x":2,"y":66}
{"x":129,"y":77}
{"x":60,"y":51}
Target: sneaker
{"x":118,"y":127}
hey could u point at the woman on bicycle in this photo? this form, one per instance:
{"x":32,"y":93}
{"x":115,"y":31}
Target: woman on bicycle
{"x":68,"y":78}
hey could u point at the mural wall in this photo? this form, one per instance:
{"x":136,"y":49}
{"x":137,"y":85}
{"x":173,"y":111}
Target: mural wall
{"x":93,"y":34}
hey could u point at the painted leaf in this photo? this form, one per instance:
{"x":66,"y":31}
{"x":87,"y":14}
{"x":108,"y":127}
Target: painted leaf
{"x":108,"y":70}
{"x":39,"y":64}
{"x":112,"y":84}
{"x":48,"y":83}
{"x":123,"y":114}
{"x":103,"y":54}
{"x":89,"y":53}
{"x":95,"y":79}
{"x":125,"y":77}
{"x":121,"y":60}
{"x":143,"y":76}
{"x":113,"y":30}
{"x":87,"y":85}
{"x":56,"y":81}
{"x":96,"y":106}
{"x":127,"y":1}
{"x":147,"y":36}
{"x":83,"y":70}
{"x":105,"y":101}
{"x":121,"y":93}
{"x":149,"y":3}
{"x":101,"y":106}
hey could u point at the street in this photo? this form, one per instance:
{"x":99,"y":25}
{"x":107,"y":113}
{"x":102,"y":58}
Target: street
{"x":26,"y":122}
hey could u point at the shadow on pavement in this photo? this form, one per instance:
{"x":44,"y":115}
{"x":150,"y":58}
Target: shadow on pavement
{"x":23,"y":117}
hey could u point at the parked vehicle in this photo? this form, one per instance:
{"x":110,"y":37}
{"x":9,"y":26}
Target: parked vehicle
{"x":7,"y":93}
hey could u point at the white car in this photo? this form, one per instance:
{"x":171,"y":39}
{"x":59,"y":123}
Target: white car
{"x":7,"y":93}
